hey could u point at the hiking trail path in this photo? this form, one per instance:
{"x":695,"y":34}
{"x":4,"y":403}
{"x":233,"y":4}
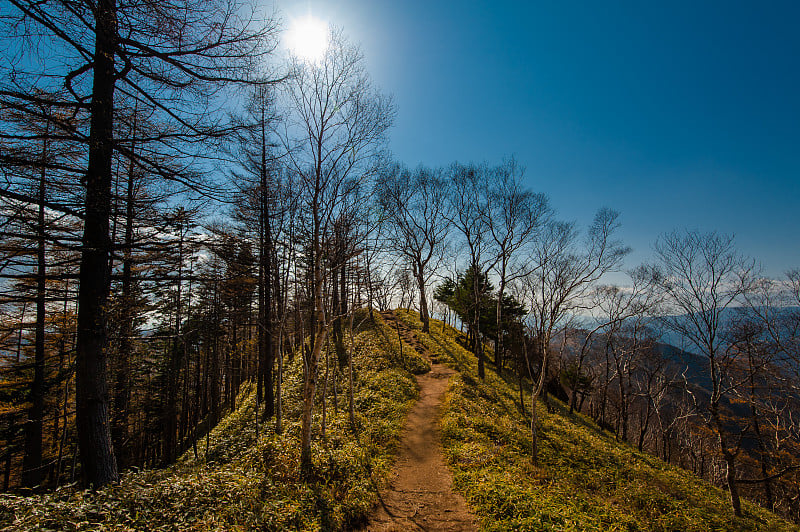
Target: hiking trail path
{"x":420,"y":494}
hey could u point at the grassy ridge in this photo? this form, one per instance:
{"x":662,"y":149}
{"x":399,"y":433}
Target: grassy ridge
{"x":242,"y":482}
{"x":586,"y":480}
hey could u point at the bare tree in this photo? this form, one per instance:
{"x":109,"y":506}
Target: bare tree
{"x":514,"y":218}
{"x":611,"y":306}
{"x":563,"y":277}
{"x":174,"y":56}
{"x":334,"y":135}
{"x":467,"y":212}
{"x":414,"y":203}
{"x":703,"y":276}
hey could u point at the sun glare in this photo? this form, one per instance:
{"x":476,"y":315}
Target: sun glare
{"x":307,"y":38}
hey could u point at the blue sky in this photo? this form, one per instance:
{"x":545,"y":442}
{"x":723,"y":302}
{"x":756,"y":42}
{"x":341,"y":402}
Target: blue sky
{"x":678,"y":114}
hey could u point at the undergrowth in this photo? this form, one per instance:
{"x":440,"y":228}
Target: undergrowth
{"x":585,"y":479}
{"x":240,"y":482}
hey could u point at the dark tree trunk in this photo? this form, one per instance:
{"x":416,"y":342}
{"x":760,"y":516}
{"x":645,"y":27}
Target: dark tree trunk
{"x":32,"y":472}
{"x":424,"y":315}
{"x":499,"y":347}
{"x":9,"y":456}
{"x":318,"y":338}
{"x":266,"y":350}
{"x":730,"y":461}
{"x":119,"y":424}
{"x":341,"y":353}
{"x":175,"y":361}
{"x":99,"y":465}
{"x":336,"y":330}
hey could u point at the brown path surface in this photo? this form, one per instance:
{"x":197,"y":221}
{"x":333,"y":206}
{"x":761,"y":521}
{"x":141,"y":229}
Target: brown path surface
{"x":420,"y":495}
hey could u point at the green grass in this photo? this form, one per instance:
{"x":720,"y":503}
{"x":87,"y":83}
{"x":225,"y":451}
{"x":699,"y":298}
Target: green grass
{"x":585,"y":479}
{"x":246,"y":483}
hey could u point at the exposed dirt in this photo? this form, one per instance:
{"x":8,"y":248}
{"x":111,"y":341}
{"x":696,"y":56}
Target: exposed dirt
{"x":420,"y":495}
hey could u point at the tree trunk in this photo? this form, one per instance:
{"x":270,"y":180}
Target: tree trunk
{"x":92,"y":419}
{"x":424,"y":315}
{"x":119,"y":424}
{"x":338,"y":340}
{"x":32,"y":472}
{"x":266,"y":352}
{"x":534,"y":433}
{"x":730,"y":460}
{"x":733,"y":488}
{"x":498,"y":348}
{"x":521,"y":392}
{"x":476,"y":302}
{"x":318,"y":339}
{"x":309,"y":389}
{"x":175,"y":360}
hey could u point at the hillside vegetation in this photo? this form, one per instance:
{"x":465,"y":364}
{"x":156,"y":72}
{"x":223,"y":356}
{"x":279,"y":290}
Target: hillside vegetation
{"x":244,"y":483}
{"x":586,"y":480}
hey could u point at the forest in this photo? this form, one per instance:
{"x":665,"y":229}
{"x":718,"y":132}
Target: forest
{"x":184,"y":214}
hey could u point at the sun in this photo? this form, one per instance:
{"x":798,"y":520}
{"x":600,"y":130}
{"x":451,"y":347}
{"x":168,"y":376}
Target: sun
{"x":307,"y":38}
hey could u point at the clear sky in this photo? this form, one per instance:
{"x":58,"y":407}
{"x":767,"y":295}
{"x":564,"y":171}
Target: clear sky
{"x":679,"y":114}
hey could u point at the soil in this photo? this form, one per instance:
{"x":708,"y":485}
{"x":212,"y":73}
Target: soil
{"x":420,"y":495}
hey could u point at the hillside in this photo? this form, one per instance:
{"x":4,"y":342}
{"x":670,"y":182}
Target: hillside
{"x":586,"y":480}
{"x":240,"y":483}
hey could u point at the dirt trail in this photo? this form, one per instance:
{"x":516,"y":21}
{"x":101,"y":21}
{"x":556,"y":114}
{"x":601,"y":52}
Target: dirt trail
{"x":420,"y":495}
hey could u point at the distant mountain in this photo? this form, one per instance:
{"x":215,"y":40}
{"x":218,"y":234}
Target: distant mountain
{"x":729,"y":316}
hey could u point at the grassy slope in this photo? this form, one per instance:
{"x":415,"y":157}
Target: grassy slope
{"x":586,"y":480}
{"x":246,"y":484}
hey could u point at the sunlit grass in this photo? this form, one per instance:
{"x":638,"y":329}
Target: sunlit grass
{"x":585,"y":481}
{"x":248,"y":483}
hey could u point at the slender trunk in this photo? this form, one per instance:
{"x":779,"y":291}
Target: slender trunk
{"x":423,"y":299}
{"x":63,"y":440}
{"x":318,"y":338}
{"x":232,"y":357}
{"x":338,"y":340}
{"x":370,"y":297}
{"x":536,"y":390}
{"x":119,"y":423}
{"x":32,"y":472}
{"x":498,"y":348}
{"x":350,"y":390}
{"x":645,"y":424}
{"x":521,"y":391}
{"x":309,"y":390}
{"x":282,"y":296}
{"x":279,"y":386}
{"x":12,"y":420}
{"x":342,"y":308}
{"x":175,"y":359}
{"x":623,"y":406}
{"x":214,"y":384}
{"x":324,"y":423}
{"x":606,"y":384}
{"x":476,"y":312}
{"x":92,"y":419}
{"x":762,"y":449}
{"x":534,"y":433}
{"x":266,"y":348}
